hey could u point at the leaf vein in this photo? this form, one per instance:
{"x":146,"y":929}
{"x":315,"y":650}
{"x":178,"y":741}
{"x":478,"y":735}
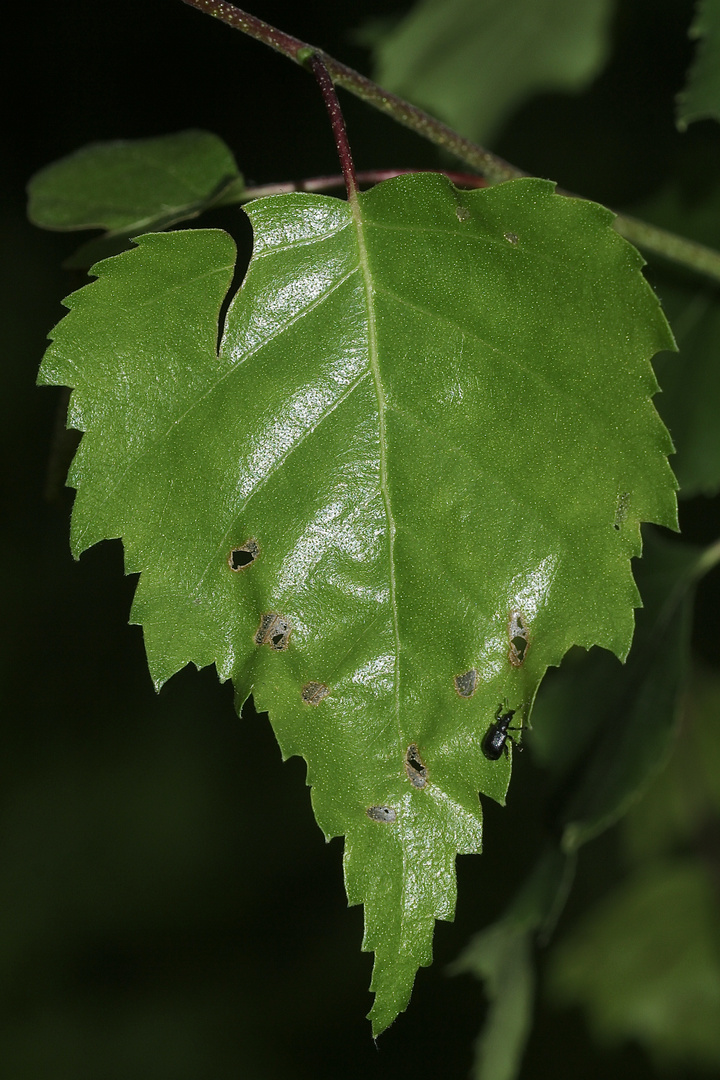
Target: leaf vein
{"x":195,"y":404}
{"x":382,"y":433}
{"x":279,"y":462}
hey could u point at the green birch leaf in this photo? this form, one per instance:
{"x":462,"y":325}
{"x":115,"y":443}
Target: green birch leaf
{"x":675,"y":810}
{"x":471,"y":62}
{"x":409,"y":479}
{"x":131,"y":186}
{"x":502,"y":958}
{"x":701,"y":97}
{"x":644,"y":961}
{"x":644,"y":964}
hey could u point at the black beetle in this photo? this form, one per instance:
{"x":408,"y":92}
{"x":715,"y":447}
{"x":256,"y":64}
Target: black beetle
{"x":495,"y":740}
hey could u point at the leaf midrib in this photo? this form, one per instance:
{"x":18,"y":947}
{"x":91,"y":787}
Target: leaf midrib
{"x":382,"y":434}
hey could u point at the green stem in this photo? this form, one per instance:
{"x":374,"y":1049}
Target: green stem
{"x":708,"y":560}
{"x":492,"y":167}
{"x":703,"y":260}
{"x":697,"y":257}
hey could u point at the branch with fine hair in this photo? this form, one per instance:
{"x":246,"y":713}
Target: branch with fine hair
{"x":649,"y":237}
{"x":492,"y":167}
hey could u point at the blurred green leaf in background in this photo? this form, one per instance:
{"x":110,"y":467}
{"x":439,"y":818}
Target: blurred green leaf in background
{"x":700,"y":99}
{"x":472,"y":62}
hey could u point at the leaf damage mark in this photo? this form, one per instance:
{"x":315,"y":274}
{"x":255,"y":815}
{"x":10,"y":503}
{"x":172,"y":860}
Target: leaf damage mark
{"x":241,"y":557}
{"x":466,"y":684}
{"x":463,"y":213}
{"x":519,"y":635}
{"x":511,"y":237}
{"x":313,"y":692}
{"x":415,"y":767}
{"x":274,"y":630}
{"x":385,"y":814}
{"x":621,"y":509}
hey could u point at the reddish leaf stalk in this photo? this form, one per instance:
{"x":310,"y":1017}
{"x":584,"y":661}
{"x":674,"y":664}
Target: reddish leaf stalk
{"x":337,"y":122}
{"x":365,"y":177}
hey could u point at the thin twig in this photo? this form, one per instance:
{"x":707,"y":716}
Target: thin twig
{"x":678,"y":249}
{"x":697,"y":257}
{"x":491,"y":166}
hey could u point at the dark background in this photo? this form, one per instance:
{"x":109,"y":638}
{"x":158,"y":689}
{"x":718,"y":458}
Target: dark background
{"x":168,"y":908}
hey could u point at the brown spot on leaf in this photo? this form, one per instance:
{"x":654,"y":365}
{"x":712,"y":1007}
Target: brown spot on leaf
{"x":241,"y":557}
{"x":466,"y":684}
{"x":274,"y":630}
{"x":314,"y":692}
{"x":385,"y":814}
{"x":519,"y":635}
{"x":415,"y":767}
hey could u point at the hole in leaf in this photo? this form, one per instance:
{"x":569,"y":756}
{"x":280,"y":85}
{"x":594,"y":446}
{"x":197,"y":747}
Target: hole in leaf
{"x":313,"y":692}
{"x":381,"y":813}
{"x":519,"y":635}
{"x":415,"y":767}
{"x":466,"y":684}
{"x":511,"y":237}
{"x":274,"y":630}
{"x":241,"y":557}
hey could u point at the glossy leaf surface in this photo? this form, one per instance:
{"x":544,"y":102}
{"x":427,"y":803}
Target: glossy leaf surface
{"x":471,"y":62}
{"x":428,"y":431}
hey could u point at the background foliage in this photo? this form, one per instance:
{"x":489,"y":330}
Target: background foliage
{"x":168,"y":903}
